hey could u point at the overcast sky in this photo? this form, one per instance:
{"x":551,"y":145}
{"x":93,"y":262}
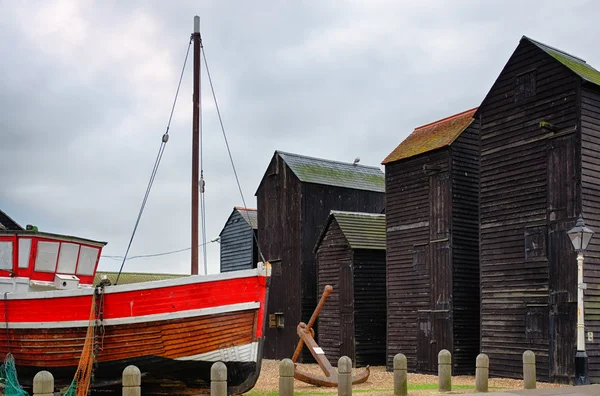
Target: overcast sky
{"x":86,"y":88}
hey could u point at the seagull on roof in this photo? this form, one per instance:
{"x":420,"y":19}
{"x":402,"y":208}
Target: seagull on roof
{"x":356,"y":160}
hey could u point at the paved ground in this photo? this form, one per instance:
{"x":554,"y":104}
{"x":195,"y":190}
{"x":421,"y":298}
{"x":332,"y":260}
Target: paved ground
{"x":567,"y":390}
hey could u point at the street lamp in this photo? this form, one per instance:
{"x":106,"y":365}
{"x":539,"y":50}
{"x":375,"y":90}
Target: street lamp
{"x":580,"y":236}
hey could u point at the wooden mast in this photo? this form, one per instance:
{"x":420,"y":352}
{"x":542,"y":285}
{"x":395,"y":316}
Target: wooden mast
{"x":195,"y":143}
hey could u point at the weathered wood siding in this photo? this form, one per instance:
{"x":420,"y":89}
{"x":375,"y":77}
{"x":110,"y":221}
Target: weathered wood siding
{"x":408,"y":234}
{"x":237,"y":244}
{"x":279,"y":228}
{"x":590,"y":184}
{"x":464,"y":154}
{"x":291,"y":216}
{"x":333,"y":253}
{"x":317,"y":202}
{"x":521,"y":236}
{"x":369,"y":307}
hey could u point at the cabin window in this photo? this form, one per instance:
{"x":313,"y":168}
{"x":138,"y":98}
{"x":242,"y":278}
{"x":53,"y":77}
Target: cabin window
{"x":6,"y":255}
{"x":524,"y":86}
{"x":67,"y":258}
{"x":87,"y":260}
{"x":24,"y":252}
{"x":47,"y":253}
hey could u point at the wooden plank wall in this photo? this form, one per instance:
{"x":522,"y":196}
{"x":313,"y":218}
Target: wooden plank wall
{"x":237,"y":244}
{"x":407,"y":238}
{"x":317,"y":202}
{"x":369,"y":307}
{"x":513,"y":206}
{"x":590,"y":184}
{"x":279,"y":215}
{"x":464,"y":153}
{"x":332,"y":251}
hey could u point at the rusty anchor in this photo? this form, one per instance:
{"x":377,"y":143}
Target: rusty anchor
{"x":307,"y":334}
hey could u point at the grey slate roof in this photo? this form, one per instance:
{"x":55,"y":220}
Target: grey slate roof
{"x":250,"y":215}
{"x":334,"y":173}
{"x":361,"y":230}
{"x":6,"y":223}
{"x":577,"y":65}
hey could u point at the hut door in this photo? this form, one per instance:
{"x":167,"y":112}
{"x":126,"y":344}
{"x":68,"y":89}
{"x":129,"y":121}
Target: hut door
{"x":439,"y":233}
{"x":347,"y":309}
{"x":562,"y":268}
{"x":434,"y":334}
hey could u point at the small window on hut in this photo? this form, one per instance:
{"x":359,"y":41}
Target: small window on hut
{"x":420,"y":257}
{"x":536,"y":322}
{"x":6,"y":255}
{"x":524,"y":86}
{"x":87,"y":260}
{"x":535,"y":243}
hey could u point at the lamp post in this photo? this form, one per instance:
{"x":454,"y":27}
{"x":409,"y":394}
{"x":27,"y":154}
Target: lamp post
{"x":580,"y":236}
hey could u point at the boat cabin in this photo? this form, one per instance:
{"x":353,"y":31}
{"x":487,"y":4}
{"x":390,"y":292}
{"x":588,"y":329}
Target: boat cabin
{"x":35,"y":261}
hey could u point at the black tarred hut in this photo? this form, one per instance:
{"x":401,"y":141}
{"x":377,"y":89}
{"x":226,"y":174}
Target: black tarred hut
{"x":294,"y":198}
{"x":432,"y":246}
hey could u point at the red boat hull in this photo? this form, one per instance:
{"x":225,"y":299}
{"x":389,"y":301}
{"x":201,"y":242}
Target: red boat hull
{"x":172,"y":330}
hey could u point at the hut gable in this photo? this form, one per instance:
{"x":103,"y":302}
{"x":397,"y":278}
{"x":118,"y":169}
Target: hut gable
{"x":432,"y":136}
{"x":360,"y":230}
{"x":431,"y":234}
{"x":294,"y":197}
{"x":539,"y":159}
{"x":351,"y":257}
{"x":6,"y":223}
{"x":238,"y":242}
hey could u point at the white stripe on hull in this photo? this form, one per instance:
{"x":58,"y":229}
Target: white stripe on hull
{"x":241,"y":353}
{"x":135,"y":319}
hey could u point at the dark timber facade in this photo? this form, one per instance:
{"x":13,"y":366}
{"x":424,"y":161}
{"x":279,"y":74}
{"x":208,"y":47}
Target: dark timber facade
{"x":238,"y":240}
{"x":294,"y":198}
{"x":432,"y":246}
{"x":540,"y":168}
{"x":351,"y":257}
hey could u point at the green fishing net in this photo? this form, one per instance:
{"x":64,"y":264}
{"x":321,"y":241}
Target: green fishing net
{"x":8,"y":377}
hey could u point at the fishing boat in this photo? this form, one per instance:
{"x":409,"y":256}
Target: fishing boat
{"x":53,"y":318}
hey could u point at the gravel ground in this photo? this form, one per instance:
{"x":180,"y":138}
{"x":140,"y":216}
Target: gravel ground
{"x":380,"y":383}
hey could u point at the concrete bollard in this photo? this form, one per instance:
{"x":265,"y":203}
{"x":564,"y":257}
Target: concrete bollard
{"x":529,"y":378}
{"x":43,"y":384}
{"x":444,"y":371}
{"x":400,"y":375}
{"x":286,"y":378}
{"x":344,"y":376}
{"x":482,"y":373}
{"x":218,"y":379}
{"x":132,"y":381}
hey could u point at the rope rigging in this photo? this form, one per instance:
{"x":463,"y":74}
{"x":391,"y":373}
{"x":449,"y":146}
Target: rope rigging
{"x":161,"y":150}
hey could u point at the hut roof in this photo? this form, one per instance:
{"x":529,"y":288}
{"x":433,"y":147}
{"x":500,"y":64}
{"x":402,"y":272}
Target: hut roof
{"x":6,"y":223}
{"x":361,"y":230}
{"x":431,"y":136}
{"x":249,"y":214}
{"x":133,"y":277}
{"x":577,"y":65}
{"x":334,"y":173}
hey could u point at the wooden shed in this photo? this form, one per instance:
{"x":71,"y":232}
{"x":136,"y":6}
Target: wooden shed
{"x":239,"y":240}
{"x":294,"y":197}
{"x":350,"y":256}
{"x":432,"y":246}
{"x":540,"y":168}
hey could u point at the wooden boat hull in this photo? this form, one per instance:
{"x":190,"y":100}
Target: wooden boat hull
{"x":173,"y":331}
